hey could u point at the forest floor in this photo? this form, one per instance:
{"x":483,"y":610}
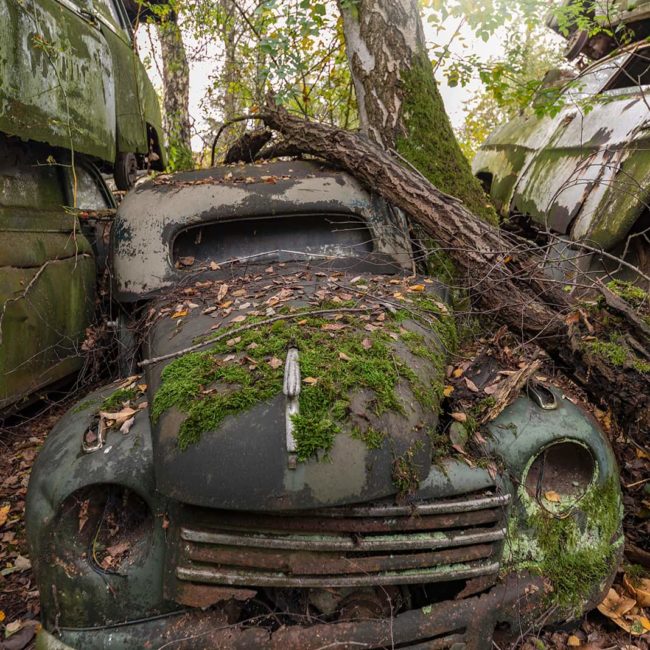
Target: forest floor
{"x":20,"y":440}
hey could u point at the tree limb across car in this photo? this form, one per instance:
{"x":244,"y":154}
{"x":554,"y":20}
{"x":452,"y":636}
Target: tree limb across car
{"x":503,"y":272}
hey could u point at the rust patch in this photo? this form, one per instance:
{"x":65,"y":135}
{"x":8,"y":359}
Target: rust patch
{"x":204,"y":596}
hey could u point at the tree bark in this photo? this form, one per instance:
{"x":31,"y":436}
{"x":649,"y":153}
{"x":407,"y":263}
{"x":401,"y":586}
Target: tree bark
{"x":400,"y":106}
{"x":503,"y":272}
{"x":176,"y":85}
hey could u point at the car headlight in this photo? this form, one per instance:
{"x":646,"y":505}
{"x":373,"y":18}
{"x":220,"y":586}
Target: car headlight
{"x":560,"y":475}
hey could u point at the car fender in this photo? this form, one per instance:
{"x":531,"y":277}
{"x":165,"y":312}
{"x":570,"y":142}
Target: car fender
{"x":85,"y":595}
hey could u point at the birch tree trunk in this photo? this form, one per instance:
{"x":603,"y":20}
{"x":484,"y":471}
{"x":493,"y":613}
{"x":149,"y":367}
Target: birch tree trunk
{"x":400,"y":106}
{"x":176,"y":84}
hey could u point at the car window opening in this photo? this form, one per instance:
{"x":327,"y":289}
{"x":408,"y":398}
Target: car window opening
{"x":281,"y":239}
{"x":635,"y":72}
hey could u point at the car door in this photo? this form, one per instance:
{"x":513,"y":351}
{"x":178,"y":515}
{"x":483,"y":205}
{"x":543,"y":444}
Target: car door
{"x":572,"y":172}
{"x":57,"y":76}
{"x":116,"y":29}
{"x":47,"y":271}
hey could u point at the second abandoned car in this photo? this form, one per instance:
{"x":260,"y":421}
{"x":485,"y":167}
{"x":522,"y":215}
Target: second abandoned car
{"x":280,"y":479}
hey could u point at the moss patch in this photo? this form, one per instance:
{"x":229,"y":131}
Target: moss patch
{"x":115,"y":401}
{"x":406,"y":477}
{"x":228,"y":379}
{"x":575,"y":553}
{"x":632,"y":294}
{"x":617,"y":354}
{"x":430,"y":144}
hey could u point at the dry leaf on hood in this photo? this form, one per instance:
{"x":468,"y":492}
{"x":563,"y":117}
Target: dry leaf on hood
{"x":221,"y":292}
{"x":126,"y":426}
{"x":118,"y":418}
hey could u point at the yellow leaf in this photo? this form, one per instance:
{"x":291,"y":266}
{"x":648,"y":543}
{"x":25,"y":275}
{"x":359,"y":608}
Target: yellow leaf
{"x":458,"y":373}
{"x":553,"y":497}
{"x":312,"y":381}
{"x":2,"y":616}
{"x":417,"y":287}
{"x":4,"y":513}
{"x":180,"y":314}
{"x":573,"y":641}
{"x":448,"y":391}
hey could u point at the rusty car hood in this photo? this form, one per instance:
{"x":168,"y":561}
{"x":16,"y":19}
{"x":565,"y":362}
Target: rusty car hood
{"x":243,"y":460}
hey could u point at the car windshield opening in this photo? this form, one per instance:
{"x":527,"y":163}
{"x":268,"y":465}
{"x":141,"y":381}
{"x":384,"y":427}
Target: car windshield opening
{"x":634,"y":73}
{"x":275,"y":238}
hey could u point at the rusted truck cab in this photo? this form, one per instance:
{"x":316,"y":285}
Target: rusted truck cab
{"x":279,"y":475}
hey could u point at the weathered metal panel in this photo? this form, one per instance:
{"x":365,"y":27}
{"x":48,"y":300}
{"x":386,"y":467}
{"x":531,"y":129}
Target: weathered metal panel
{"x":507,"y":153}
{"x":131,"y":128}
{"x":47,"y":275}
{"x":45,"y":311}
{"x":151,"y":215}
{"x":71,"y":79}
{"x":58,"y":78}
{"x":85,"y":596}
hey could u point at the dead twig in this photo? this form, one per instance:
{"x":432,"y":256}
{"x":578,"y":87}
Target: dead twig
{"x":244,"y":328}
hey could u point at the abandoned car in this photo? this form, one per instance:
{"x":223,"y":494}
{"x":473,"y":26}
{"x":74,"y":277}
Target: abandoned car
{"x":281,"y":474}
{"x":583,"y":175}
{"x":75,"y":101}
{"x":71,"y":79}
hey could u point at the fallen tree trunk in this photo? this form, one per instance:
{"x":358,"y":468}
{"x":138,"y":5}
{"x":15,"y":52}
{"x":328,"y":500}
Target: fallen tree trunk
{"x":503,"y":272}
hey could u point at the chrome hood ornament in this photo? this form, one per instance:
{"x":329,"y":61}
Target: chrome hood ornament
{"x":291,"y":390}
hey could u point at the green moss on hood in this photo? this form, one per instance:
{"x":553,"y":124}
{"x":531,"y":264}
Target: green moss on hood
{"x":233,"y":376}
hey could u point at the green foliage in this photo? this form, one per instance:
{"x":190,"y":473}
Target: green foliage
{"x":513,"y":82}
{"x":294,"y":49}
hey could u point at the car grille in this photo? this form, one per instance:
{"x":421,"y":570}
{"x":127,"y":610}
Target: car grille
{"x":379,"y":544}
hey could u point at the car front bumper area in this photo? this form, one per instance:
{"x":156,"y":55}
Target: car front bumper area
{"x":466,"y":624}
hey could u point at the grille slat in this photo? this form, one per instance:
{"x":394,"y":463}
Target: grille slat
{"x":302,"y":562}
{"x":212,"y":575}
{"x":344,"y":547}
{"x":346,"y":543}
